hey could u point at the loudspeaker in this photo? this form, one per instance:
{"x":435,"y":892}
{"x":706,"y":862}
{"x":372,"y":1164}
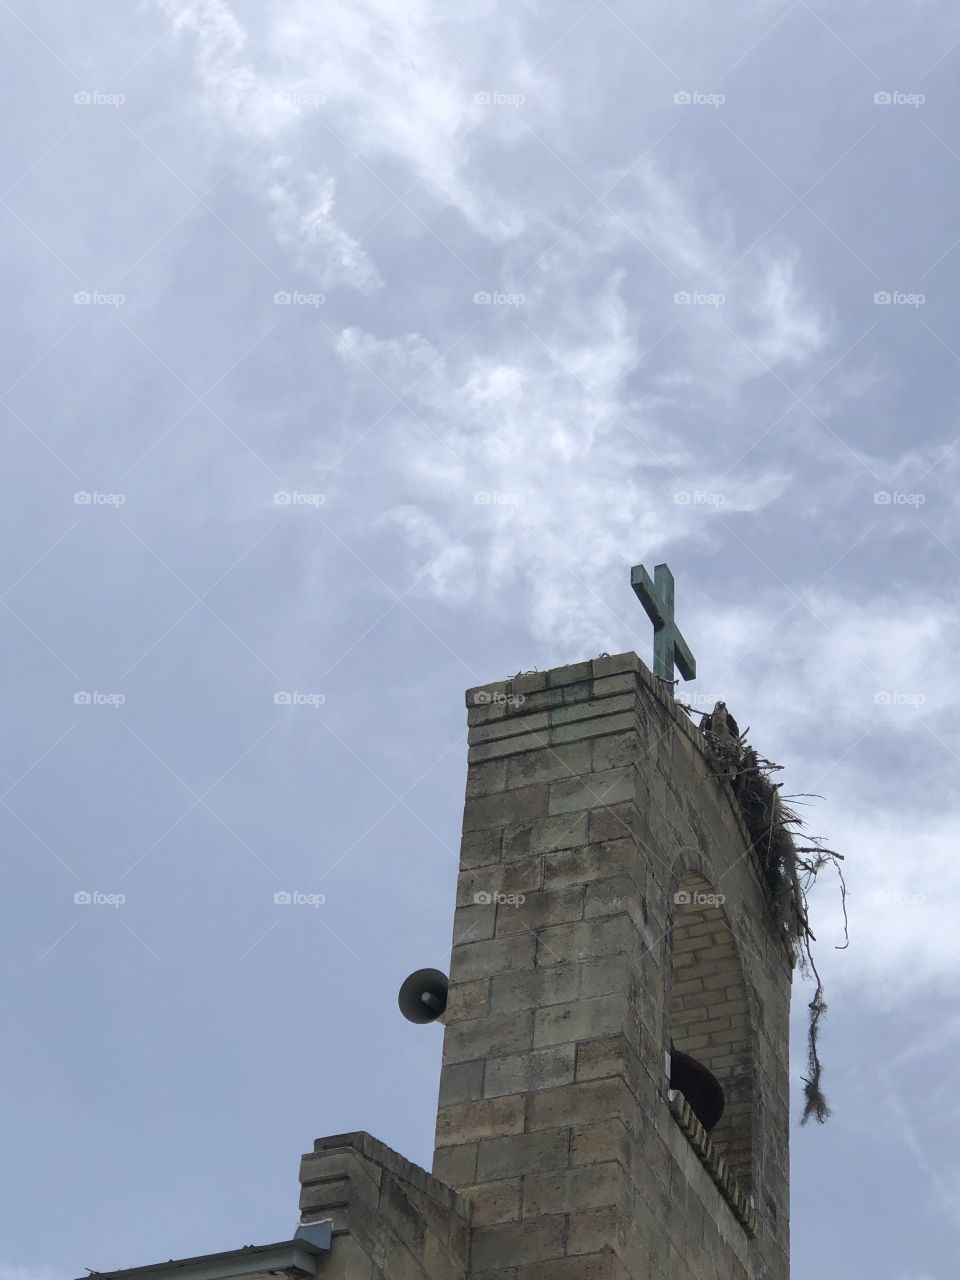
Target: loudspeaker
{"x":423,"y":996}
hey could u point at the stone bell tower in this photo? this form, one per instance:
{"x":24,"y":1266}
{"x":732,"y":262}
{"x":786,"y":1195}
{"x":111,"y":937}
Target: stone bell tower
{"x":610,"y":910}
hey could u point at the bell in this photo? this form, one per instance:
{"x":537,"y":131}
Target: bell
{"x":699,"y":1086}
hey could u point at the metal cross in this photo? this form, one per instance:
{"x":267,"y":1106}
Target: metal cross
{"x":669,"y":647}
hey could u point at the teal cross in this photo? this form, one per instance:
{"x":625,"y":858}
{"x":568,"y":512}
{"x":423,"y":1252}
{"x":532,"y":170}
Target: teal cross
{"x":669,"y":647}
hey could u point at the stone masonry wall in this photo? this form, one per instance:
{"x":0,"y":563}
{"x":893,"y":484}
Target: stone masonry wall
{"x":391,"y":1220}
{"x":589,"y":799}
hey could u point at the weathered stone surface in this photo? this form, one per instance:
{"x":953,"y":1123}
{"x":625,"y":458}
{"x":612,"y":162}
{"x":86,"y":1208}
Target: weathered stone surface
{"x":567,"y":831}
{"x":487,"y":1037}
{"x":578,"y":1020}
{"x":462,"y":1082}
{"x":603,"y":1057}
{"x":472,"y":1121}
{"x":591,"y":790}
{"x":494,"y":1201}
{"x":527,"y":1153}
{"x":475,"y":960}
{"x":517,"y":1242}
{"x":548,"y":765}
{"x":524,"y":1072}
{"x":565,"y":1190}
{"x":506,"y":808}
{"x":584,"y":1103}
{"x":535,"y":910}
{"x":467,"y":1000}
{"x":534,"y":988}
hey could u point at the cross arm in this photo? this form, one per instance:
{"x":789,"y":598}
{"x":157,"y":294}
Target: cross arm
{"x":646,"y":593}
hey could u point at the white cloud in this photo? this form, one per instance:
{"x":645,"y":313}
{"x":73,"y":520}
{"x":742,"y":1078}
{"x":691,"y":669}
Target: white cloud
{"x":549,"y":417}
{"x":359,"y":83}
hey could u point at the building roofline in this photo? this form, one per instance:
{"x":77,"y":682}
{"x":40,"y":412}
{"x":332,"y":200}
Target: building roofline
{"x":300,"y":1256}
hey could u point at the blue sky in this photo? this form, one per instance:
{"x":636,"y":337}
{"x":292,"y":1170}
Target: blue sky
{"x":352,"y":353}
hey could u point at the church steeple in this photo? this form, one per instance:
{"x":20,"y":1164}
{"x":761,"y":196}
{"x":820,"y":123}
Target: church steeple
{"x":609,"y":909}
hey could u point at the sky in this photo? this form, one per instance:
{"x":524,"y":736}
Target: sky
{"x":351,"y":355}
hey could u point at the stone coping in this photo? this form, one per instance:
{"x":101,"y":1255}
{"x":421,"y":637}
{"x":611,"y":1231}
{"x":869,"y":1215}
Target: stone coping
{"x":379,"y":1153}
{"x":742,"y":1205}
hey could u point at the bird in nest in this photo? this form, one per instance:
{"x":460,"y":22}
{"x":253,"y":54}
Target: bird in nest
{"x":724,"y":736}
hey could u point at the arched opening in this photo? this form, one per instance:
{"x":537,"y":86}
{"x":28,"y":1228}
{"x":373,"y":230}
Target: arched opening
{"x":709,"y":1016}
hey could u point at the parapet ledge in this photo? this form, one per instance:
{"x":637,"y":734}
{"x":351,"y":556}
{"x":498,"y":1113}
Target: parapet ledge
{"x":377,"y":1153}
{"x":744,"y":1209}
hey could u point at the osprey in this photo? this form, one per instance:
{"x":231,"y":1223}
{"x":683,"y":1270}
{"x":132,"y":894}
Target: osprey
{"x":724,"y":736}
{"x":720,"y":722}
